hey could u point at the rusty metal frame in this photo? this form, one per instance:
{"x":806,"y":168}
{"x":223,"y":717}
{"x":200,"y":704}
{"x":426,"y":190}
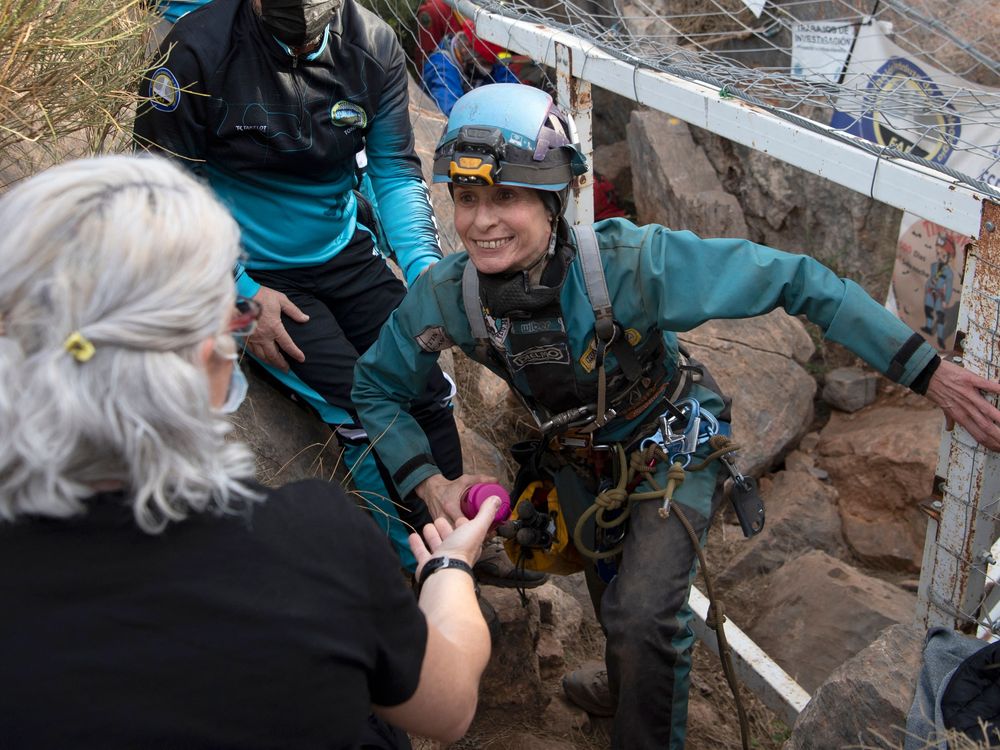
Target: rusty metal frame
{"x":964,"y":523}
{"x":573,"y":95}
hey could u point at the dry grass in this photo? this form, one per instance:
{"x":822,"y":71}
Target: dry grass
{"x":69,"y":73}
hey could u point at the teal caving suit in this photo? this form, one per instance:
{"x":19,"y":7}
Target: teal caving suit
{"x":660,"y":282}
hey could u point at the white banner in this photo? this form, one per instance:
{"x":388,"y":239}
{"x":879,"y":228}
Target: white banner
{"x":899,"y":93}
{"x":820,"y":49}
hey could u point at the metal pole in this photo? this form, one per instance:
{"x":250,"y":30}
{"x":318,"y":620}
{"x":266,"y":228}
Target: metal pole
{"x":957,"y":553}
{"x":573,"y":96}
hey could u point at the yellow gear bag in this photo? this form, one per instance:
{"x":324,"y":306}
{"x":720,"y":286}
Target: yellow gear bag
{"x":561,"y":557}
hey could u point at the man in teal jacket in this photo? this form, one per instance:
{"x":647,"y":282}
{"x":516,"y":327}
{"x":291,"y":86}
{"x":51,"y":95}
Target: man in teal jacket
{"x":598,"y":369}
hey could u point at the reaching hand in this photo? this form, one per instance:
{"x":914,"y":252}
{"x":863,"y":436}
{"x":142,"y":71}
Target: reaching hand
{"x":959,"y":393}
{"x":443,"y":496}
{"x":271,"y":339}
{"x":463,"y":541}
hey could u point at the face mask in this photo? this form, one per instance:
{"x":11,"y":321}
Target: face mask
{"x":237,"y":392}
{"x":297,"y":22}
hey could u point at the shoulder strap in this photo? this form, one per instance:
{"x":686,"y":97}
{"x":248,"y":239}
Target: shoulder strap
{"x":474,"y":308}
{"x":593,"y":276}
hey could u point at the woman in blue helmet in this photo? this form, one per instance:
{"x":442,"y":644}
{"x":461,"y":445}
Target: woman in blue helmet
{"x":598,"y":369}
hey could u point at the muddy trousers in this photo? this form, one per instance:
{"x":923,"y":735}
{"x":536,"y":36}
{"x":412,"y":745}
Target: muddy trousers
{"x":348,"y":299}
{"x":644,"y":610}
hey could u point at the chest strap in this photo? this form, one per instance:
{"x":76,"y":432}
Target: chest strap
{"x":606,"y":332}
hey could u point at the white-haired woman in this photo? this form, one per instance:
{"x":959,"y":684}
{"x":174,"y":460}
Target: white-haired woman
{"x":154,"y":595}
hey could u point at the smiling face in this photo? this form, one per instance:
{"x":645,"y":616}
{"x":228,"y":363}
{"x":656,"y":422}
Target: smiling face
{"x":504,"y":228}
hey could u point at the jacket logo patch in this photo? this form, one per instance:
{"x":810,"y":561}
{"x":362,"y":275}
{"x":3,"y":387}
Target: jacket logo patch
{"x":164,"y":91}
{"x":434,"y":339}
{"x":546,"y":325}
{"x":541,"y":355}
{"x":345,"y":114}
{"x":589,"y":359}
{"x":500,"y":328}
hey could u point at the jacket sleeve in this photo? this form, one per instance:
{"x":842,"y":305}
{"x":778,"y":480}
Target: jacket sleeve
{"x":172,"y":115}
{"x":443,"y":80}
{"x":689,"y":281}
{"x":391,"y":375}
{"x":397,"y":180}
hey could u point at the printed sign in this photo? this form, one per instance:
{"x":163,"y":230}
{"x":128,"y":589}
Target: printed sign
{"x":900,"y":92}
{"x":820,"y":50}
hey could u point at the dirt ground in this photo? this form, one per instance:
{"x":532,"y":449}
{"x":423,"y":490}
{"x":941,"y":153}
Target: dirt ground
{"x":712,"y":717}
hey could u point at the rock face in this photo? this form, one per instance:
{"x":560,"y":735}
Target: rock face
{"x":818,"y":612}
{"x":865,"y":701}
{"x":882,"y":461}
{"x":757,"y":363}
{"x":289,"y":441}
{"x":674,"y":183}
{"x":512,"y":677}
{"x":790,"y":209}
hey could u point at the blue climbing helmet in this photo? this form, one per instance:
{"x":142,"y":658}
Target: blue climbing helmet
{"x":509,"y":134}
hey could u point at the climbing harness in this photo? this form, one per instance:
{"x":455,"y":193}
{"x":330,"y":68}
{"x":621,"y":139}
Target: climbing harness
{"x":639,"y":379}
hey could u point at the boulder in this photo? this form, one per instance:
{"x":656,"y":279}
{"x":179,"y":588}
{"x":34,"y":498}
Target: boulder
{"x":756,"y":362}
{"x":611,"y":162}
{"x":674,"y":183}
{"x":512,"y":677}
{"x":560,"y":613}
{"x":480,"y":456}
{"x":819,"y":611}
{"x":882,"y":461}
{"x":287,"y":438}
{"x":849,"y":388}
{"x":791,"y":209}
{"x":801,"y":515}
{"x":865,"y":701}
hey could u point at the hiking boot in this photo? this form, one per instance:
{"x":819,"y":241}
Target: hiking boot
{"x":494,"y":568}
{"x":588,"y":688}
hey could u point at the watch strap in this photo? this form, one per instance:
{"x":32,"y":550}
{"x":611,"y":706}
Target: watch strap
{"x":443,"y":562}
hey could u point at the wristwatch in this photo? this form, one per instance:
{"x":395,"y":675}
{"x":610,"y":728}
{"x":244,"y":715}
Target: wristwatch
{"x":435,"y":564}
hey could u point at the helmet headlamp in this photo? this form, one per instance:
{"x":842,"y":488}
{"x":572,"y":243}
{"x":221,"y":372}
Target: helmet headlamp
{"x":476,"y":157}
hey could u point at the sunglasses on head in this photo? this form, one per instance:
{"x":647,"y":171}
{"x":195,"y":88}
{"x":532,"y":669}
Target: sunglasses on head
{"x":244,"y":319}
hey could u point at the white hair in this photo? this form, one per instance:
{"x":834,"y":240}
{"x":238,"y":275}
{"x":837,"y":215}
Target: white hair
{"x":137,"y":257}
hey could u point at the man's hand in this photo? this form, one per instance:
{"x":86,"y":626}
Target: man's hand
{"x":443,"y":496}
{"x":271,"y":339}
{"x":959,"y":393}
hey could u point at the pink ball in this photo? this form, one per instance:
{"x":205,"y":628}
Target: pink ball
{"x":477,"y":494}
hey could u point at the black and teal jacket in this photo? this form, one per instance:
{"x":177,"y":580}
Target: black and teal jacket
{"x":661,"y":283}
{"x":276,"y":135}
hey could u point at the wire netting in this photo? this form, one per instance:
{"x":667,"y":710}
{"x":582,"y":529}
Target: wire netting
{"x":933,"y":98}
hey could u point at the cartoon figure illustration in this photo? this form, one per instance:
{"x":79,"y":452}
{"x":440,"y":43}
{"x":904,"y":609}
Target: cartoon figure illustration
{"x":939,"y":287}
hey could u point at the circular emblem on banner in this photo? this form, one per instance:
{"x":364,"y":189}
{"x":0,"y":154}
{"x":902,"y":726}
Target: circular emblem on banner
{"x":347,"y":114}
{"x":909,"y":113}
{"x":164,"y":91}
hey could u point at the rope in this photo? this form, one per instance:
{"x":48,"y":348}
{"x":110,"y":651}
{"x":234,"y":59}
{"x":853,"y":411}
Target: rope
{"x":715,"y":619}
{"x":618,"y":498}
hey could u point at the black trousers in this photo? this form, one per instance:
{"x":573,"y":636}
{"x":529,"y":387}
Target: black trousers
{"x":348,"y":299}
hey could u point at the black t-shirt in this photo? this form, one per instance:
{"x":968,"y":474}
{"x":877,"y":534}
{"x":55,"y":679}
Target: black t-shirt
{"x":273,"y":629}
